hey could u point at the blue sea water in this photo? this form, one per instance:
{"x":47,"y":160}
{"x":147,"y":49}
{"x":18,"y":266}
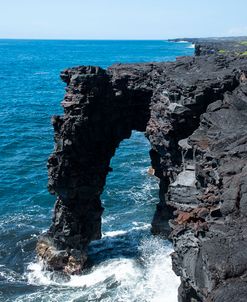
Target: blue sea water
{"x":127,"y":264}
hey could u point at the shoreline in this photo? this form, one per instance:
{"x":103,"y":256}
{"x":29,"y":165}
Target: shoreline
{"x":189,"y":110}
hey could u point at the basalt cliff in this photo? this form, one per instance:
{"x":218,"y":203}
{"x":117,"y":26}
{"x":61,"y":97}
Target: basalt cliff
{"x":194,"y":113}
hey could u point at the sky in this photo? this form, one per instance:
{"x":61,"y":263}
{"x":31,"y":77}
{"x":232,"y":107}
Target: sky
{"x":121,"y":19}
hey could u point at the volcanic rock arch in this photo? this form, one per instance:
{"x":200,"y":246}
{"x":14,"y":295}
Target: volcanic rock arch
{"x":99,"y":113}
{"x":200,"y":100}
{"x":101,"y":108}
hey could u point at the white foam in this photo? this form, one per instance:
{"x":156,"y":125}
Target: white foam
{"x":107,"y":219}
{"x":122,"y":269}
{"x":149,"y":278}
{"x":7,"y":274}
{"x":114,"y":233}
{"x":36,"y":275}
{"x":161,"y":282}
{"x":143,"y":194}
{"x":137,"y":226}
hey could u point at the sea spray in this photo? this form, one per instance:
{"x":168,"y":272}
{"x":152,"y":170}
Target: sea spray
{"x":147,"y":278}
{"x":30,"y":94}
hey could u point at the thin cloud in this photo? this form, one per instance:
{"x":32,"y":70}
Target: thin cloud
{"x":238,"y":31}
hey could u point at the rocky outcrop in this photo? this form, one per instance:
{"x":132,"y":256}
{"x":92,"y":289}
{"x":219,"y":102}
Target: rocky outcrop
{"x":210,"y":246}
{"x":100,"y":110}
{"x":236,"y":46}
{"x":193,"y":112}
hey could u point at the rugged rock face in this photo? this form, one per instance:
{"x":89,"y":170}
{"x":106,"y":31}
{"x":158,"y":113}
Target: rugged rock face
{"x":211,"y":244}
{"x":197,"y":105}
{"x":100,"y":111}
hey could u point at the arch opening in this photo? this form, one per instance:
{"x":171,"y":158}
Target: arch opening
{"x":129,"y":186}
{"x":129,"y":199}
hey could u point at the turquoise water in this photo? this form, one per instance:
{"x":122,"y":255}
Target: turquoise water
{"x":123,"y":266}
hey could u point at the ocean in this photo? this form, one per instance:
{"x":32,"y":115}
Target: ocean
{"x":128,"y":263}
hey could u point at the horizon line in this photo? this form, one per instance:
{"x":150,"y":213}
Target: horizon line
{"x":81,"y":39}
{"x":122,"y":39}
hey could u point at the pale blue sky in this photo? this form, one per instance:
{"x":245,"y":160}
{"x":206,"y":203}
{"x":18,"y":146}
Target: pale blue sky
{"x":121,"y":19}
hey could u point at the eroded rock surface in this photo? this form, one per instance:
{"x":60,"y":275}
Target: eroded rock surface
{"x":201,"y":99}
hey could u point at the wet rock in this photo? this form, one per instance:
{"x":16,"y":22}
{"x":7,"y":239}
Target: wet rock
{"x":69,"y":261}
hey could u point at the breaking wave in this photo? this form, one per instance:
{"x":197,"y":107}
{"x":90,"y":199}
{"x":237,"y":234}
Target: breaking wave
{"x":128,"y":263}
{"x":147,"y":278}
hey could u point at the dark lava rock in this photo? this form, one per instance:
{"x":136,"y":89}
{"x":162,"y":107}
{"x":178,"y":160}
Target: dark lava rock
{"x":236,"y":46}
{"x":194,"y":113}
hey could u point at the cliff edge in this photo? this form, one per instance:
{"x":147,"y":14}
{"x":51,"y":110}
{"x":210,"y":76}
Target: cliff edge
{"x":194,"y":113}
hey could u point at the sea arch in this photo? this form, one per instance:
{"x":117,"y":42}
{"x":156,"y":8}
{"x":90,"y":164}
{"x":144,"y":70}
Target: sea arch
{"x":100,"y":111}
